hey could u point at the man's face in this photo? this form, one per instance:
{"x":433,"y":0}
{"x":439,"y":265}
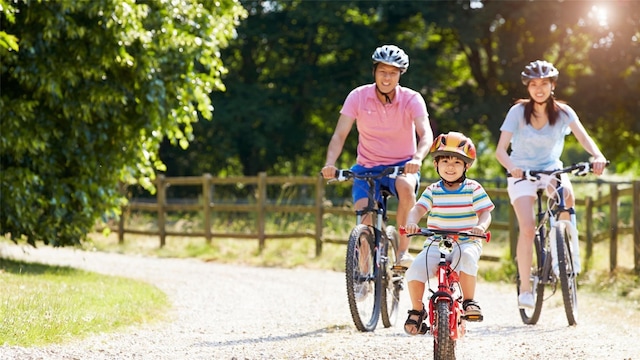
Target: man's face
{"x":387,"y":77}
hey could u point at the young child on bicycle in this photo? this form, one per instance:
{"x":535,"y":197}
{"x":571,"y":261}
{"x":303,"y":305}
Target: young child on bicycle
{"x":454,"y":203}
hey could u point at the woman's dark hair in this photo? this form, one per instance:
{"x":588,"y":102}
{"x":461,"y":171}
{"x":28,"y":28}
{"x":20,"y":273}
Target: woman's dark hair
{"x":553,"y":109}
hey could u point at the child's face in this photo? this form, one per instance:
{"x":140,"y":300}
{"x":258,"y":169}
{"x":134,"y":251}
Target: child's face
{"x":450,"y":167}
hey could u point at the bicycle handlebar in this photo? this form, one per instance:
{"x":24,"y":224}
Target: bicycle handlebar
{"x":450,"y":233}
{"x":346,"y":174}
{"x":581,"y":169}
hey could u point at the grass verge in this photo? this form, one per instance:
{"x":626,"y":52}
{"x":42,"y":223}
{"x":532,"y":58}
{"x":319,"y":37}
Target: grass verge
{"x":42,"y":304}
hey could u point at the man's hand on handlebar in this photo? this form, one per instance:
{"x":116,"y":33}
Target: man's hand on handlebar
{"x":329,"y":171}
{"x":412,"y":166}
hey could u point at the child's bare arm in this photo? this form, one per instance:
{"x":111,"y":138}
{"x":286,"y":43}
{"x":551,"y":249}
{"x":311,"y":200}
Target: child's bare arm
{"x":484,"y":220}
{"x":413,"y":219}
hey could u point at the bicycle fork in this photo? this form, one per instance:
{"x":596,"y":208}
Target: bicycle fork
{"x":562,"y":225}
{"x":449,"y":291}
{"x":559,"y":225}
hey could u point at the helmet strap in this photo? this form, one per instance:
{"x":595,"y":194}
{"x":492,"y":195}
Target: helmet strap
{"x":386,"y":95}
{"x":460,"y":180}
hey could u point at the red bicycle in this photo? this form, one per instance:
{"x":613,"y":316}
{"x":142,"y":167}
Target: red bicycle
{"x":447,"y":319}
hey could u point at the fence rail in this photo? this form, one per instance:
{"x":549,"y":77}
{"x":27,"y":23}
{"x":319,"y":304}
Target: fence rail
{"x":262,"y":206}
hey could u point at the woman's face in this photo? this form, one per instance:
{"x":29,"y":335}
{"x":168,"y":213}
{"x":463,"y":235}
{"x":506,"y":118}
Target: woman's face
{"x":387,"y":77}
{"x":540,"y":89}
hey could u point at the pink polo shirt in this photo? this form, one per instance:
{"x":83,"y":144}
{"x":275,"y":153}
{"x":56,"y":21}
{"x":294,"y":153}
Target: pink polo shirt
{"x":386,"y":132}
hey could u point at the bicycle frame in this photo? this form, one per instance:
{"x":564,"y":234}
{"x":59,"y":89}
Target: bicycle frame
{"x":555,"y":246}
{"x":383,"y":240}
{"x":446,"y":315}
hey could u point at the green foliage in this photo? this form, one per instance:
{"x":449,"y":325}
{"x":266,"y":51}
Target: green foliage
{"x":89,"y":93}
{"x":294,"y":62}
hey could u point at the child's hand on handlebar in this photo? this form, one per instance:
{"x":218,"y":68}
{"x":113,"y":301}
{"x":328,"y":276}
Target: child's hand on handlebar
{"x":410,"y":228}
{"x":477,"y":230}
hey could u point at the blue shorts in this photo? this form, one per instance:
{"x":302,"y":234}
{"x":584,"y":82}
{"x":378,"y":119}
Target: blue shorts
{"x":360,"y":188}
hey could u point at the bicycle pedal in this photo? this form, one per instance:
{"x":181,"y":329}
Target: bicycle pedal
{"x":399,"y":268}
{"x":473,"y":318}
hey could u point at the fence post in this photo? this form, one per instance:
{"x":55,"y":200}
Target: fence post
{"x":636,"y":226}
{"x":261,"y":204}
{"x":613,"y":224}
{"x":122,"y":189}
{"x":162,"y":202}
{"x":121,"y":222}
{"x":206,"y":206}
{"x":319,"y":213}
{"x":588,"y":204}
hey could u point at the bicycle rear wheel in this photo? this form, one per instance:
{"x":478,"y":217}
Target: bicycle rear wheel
{"x":363,"y":284}
{"x":531,"y":316}
{"x":566,"y":274}
{"x":443,"y":344}
{"x":391,"y":280}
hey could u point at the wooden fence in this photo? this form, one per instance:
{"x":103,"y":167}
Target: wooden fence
{"x":262,"y":206}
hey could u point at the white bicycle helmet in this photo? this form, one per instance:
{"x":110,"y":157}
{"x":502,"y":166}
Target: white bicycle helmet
{"x":391,"y":55}
{"x":539,"y":69}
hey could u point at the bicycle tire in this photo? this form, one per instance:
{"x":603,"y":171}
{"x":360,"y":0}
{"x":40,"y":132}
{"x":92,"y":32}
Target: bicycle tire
{"x":531,"y":316}
{"x":567,"y":275}
{"x":391,"y":281}
{"x":363,"y":287}
{"x":443,"y":344}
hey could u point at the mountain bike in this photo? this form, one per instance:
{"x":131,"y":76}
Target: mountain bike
{"x":374,"y":282}
{"x":447,"y":320}
{"x":556,"y":257}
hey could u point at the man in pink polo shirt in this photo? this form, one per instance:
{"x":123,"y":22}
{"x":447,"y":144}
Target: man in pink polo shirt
{"x":393,"y":129}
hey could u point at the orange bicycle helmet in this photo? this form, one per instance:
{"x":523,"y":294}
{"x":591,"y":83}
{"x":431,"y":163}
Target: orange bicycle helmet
{"x":454,"y":144}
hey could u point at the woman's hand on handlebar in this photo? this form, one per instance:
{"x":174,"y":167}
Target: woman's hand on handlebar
{"x":516,"y":172}
{"x":329,"y":171}
{"x":598,"y":164}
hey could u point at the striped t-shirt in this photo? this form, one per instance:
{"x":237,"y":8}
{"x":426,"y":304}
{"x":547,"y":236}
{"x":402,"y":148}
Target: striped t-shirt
{"x":454,"y":210}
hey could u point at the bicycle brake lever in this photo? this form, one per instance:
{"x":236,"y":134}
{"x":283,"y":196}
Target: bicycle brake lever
{"x":395,"y":173}
{"x":341,"y":176}
{"x":528,"y":176}
{"x":584,"y":169}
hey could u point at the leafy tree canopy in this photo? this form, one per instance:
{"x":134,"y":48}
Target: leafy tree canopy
{"x":294,"y":62}
{"x":89,"y":91}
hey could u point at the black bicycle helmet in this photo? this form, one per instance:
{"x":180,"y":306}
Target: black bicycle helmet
{"x":391,"y":55}
{"x":539,"y":69}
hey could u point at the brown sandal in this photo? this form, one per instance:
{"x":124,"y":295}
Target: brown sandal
{"x":418,"y":324}
{"x":472,"y":311}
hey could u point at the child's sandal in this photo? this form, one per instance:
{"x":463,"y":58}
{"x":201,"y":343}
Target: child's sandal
{"x":422,"y":328}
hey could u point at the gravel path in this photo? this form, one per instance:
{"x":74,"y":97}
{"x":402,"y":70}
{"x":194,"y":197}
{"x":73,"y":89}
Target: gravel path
{"x":236,"y":312}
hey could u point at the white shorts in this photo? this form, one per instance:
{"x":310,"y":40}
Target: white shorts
{"x":463,"y":258}
{"x":518,"y":187}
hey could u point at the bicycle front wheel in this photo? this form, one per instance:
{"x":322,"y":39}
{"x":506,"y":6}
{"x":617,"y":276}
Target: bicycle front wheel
{"x":566,"y":274}
{"x":391,"y":279}
{"x":443,"y":344}
{"x":531,"y":316}
{"x":363,"y":284}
